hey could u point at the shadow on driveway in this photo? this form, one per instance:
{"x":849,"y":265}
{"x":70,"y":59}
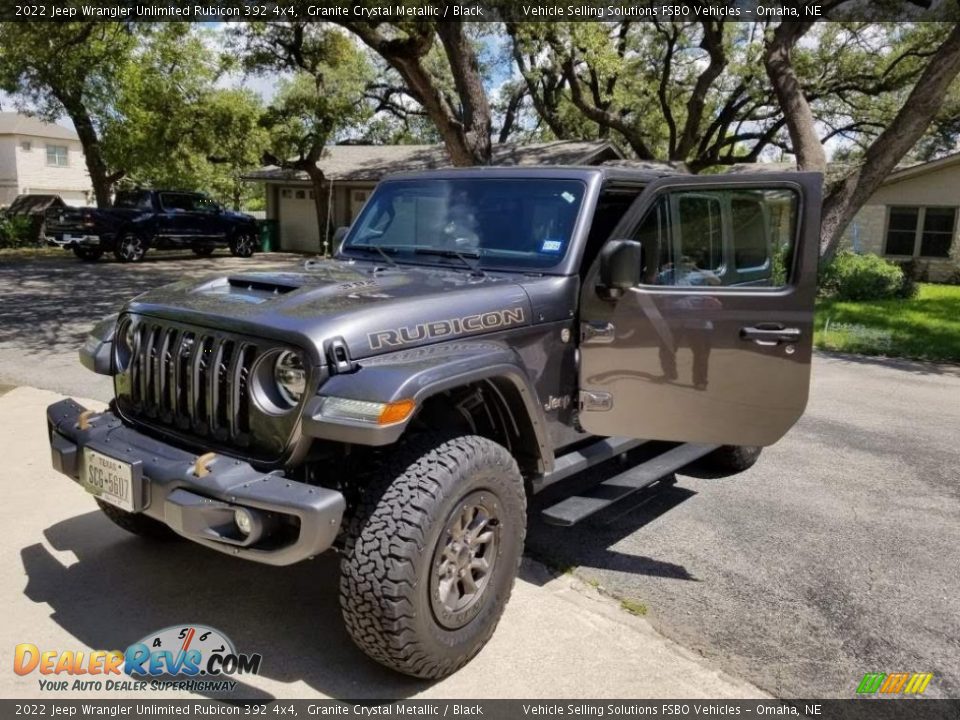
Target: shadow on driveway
{"x":123,"y":587}
{"x":50,"y":305}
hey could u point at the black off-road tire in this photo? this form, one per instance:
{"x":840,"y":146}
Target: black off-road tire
{"x":87,"y":254}
{"x":137,"y":523}
{"x":394,"y":542}
{"x":731,"y":459}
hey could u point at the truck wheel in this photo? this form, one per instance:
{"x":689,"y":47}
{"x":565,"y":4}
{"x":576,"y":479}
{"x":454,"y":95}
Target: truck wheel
{"x":431,"y":552}
{"x":130,"y":248}
{"x":731,"y":459}
{"x":87,"y":254}
{"x":137,"y":523}
{"x":242,"y":244}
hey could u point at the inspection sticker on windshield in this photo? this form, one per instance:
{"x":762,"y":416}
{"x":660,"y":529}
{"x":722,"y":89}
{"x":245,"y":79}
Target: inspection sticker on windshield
{"x":551,"y":246}
{"x":568,"y":196}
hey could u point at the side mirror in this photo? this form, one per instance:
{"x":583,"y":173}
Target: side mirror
{"x":621,"y":262}
{"x":338,"y":236}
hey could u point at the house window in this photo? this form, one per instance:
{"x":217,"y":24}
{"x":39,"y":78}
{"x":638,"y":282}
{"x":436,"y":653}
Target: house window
{"x":920,"y":231}
{"x":57,"y":155}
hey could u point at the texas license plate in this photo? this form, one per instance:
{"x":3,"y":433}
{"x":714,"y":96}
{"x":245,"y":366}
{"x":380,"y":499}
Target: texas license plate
{"x":109,"y":479}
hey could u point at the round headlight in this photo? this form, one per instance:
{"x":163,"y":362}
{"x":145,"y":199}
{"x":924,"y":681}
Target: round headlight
{"x":290,"y":376}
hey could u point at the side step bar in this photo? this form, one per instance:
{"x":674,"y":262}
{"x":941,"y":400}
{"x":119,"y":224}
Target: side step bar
{"x":586,"y":457}
{"x":574,"y":509}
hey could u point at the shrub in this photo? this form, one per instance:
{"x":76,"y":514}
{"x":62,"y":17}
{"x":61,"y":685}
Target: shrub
{"x":16,"y":232}
{"x":908,"y":288}
{"x":861,"y":277}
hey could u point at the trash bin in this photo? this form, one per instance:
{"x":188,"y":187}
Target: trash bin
{"x":268,"y":235}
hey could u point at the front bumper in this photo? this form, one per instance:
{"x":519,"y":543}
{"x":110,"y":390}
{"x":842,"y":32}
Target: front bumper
{"x":297,"y":520}
{"x":68,"y":240}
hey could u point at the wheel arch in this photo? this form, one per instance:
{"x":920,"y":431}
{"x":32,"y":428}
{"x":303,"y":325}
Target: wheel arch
{"x":506,"y":406}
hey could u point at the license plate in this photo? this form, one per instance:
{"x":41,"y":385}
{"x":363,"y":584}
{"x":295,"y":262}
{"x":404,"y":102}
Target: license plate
{"x":110,"y":480}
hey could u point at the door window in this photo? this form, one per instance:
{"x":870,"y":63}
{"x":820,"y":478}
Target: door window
{"x":716,"y":238}
{"x":177,"y":202}
{"x":205,"y":205}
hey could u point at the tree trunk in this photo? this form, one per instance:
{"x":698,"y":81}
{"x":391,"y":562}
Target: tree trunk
{"x":320,"y":203}
{"x":800,"y":121}
{"x":475,"y":108}
{"x":99,"y":177}
{"x":846,"y":198}
{"x":466,"y":137}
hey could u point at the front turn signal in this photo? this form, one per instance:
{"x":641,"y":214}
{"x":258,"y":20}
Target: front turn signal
{"x":396,"y":412}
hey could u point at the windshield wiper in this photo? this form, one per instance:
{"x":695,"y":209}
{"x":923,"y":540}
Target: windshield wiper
{"x":462,"y":257}
{"x":377,"y":248}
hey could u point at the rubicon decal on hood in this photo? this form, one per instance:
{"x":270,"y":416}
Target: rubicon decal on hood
{"x":483,"y":322}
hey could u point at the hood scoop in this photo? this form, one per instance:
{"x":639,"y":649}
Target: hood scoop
{"x":276,"y":285}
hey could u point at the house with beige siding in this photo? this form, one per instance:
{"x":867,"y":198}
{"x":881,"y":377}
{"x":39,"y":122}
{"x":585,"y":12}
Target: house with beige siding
{"x":41,"y":158}
{"x":352,"y":171}
{"x":914,"y":217}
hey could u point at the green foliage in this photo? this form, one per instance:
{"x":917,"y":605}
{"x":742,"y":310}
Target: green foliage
{"x":172,"y":127}
{"x":145,"y":101}
{"x":321,"y":96}
{"x":16,"y":232}
{"x":926,"y":327}
{"x":850,"y":276}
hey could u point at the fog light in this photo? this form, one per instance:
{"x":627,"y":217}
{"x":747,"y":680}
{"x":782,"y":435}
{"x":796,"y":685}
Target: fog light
{"x":244,"y":520}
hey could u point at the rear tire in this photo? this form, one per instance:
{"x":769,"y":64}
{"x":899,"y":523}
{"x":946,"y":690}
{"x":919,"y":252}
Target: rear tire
{"x":131,"y":248}
{"x":731,"y":459}
{"x":87,"y":254}
{"x":242,"y":244}
{"x":137,"y":523}
{"x":431,"y":551}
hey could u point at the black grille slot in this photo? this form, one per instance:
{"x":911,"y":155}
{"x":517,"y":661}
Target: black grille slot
{"x":192,"y":381}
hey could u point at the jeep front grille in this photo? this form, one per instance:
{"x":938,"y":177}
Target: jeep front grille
{"x":197,"y":384}
{"x":193,"y":381}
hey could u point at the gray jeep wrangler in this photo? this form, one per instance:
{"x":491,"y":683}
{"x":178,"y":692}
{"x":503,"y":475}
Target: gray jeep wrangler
{"x":480,"y":335}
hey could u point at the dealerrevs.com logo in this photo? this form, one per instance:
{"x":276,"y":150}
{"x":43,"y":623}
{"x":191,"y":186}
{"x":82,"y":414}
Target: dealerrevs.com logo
{"x":194,"y":657}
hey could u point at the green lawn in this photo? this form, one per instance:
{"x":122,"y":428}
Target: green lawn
{"x":925,"y":328}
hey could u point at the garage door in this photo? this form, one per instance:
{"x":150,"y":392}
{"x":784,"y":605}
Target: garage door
{"x":298,"y":221}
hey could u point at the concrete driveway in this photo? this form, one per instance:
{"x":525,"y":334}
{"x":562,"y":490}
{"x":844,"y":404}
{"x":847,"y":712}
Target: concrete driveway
{"x":836,"y":555}
{"x":71,"y":580}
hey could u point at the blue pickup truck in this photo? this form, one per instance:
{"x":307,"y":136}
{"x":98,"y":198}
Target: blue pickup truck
{"x":143,"y":219}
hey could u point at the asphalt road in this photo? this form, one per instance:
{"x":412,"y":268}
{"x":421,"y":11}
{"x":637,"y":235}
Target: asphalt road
{"x":48,"y":305}
{"x":836,"y":555}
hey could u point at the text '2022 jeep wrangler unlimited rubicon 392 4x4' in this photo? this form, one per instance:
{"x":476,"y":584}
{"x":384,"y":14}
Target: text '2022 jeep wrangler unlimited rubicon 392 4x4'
{"x":481,"y":334}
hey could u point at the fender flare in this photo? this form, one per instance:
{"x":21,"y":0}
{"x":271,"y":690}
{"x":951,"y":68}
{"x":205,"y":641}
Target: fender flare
{"x":419,"y":374}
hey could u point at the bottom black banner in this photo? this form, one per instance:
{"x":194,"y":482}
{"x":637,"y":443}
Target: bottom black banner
{"x":892,"y":709}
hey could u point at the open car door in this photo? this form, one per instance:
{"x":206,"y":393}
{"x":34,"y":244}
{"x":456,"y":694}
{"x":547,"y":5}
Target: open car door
{"x":709,"y":340}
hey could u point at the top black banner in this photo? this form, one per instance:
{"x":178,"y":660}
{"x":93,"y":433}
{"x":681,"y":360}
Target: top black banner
{"x":479,"y":10}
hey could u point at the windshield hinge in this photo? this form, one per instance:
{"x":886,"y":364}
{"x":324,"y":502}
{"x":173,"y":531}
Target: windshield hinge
{"x":338,"y":355}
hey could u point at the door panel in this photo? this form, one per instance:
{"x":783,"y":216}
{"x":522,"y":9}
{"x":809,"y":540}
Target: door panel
{"x":715,"y":345}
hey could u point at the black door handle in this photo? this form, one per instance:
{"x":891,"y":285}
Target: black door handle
{"x":770,"y":335}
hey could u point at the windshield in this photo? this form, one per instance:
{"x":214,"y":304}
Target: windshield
{"x":510,"y":224}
